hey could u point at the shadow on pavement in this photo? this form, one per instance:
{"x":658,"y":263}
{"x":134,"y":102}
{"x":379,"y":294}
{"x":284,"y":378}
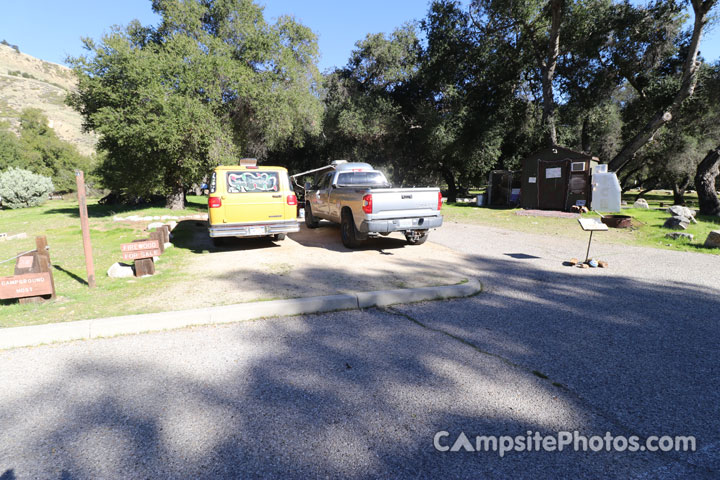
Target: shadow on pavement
{"x":362,"y":394}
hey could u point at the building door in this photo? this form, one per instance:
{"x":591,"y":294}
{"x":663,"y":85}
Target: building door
{"x":552,"y":184}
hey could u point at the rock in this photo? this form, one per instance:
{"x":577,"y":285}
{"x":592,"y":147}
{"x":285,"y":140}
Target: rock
{"x":677,"y":223}
{"x":573,"y":262}
{"x":641,"y":203}
{"x":676,"y":235}
{"x":172,"y":224}
{"x":118,"y":218}
{"x":156,"y":217}
{"x":680,"y":211}
{"x":713,"y":239}
{"x":155,"y":225}
{"x":17,"y":236}
{"x":120,"y":270}
{"x":584,"y":265}
{"x":168,"y":245}
{"x":623,"y":203}
{"x":603,"y":264}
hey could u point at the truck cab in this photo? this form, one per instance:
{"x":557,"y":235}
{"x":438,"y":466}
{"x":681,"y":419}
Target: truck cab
{"x":248,"y":200}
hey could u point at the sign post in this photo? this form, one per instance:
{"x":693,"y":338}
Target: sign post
{"x":87,"y":247}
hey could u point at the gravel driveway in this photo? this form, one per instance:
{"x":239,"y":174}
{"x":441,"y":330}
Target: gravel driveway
{"x":307,"y":263}
{"x":631,"y":350}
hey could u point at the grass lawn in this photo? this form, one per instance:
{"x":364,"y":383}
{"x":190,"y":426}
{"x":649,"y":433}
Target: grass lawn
{"x":60,"y":222}
{"x":646,"y":231}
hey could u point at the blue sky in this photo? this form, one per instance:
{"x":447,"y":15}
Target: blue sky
{"x":51,"y":30}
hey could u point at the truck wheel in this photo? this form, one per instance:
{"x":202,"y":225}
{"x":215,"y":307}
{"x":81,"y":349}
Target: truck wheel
{"x":417,"y":239}
{"x":347,"y":231}
{"x":279,"y":237}
{"x":310,"y":220}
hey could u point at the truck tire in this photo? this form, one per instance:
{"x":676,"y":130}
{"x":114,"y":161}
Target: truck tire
{"x":310,"y":220}
{"x":417,"y":240}
{"x":347,"y":230}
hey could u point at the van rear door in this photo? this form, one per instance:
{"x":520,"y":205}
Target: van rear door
{"x":253,"y":196}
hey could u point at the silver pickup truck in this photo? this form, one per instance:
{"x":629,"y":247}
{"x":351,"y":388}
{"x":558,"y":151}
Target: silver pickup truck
{"x":361,"y":200}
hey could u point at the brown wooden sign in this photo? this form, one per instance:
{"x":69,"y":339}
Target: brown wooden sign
{"x":27,"y":285}
{"x":140,"y":250}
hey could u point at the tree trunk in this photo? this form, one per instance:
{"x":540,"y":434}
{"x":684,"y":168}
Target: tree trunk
{"x":679,"y":189}
{"x":585,"y":135}
{"x":687,"y":87}
{"x":646,"y":186}
{"x":548,"y":73}
{"x":707,"y":173}
{"x":452,"y":186}
{"x":176,"y":200}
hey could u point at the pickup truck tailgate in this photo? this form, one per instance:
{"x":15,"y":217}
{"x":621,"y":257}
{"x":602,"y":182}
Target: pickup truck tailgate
{"x":404,"y":202}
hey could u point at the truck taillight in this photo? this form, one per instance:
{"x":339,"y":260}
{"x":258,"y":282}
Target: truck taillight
{"x":292,"y":199}
{"x":367,"y":203}
{"x":214,"y":202}
{"x":439,"y":200}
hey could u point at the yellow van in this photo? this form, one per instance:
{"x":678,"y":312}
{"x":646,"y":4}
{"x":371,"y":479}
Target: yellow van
{"x":247,"y":200}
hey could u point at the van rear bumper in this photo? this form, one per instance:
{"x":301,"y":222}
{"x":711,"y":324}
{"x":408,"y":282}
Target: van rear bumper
{"x":253,"y":229}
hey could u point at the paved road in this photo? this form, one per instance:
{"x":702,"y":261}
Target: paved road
{"x":631,"y":350}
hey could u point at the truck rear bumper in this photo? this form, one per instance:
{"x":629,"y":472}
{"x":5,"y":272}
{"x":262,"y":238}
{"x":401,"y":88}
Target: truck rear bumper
{"x":401,"y":224}
{"x":253,"y":229}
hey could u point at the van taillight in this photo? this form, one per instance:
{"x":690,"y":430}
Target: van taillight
{"x":214,"y":202}
{"x":439,"y":200}
{"x":291,"y":200}
{"x":367,"y":203}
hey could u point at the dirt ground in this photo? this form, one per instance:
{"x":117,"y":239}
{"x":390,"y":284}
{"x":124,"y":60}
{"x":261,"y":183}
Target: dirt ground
{"x":307,"y":263}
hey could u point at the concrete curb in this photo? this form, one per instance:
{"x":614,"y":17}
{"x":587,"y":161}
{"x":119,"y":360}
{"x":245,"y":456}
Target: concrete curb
{"x":152,"y":322}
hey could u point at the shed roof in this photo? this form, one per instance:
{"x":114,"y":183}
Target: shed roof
{"x":562,"y":150}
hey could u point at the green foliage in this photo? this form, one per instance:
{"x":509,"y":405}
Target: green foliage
{"x":14,"y":47}
{"x":21,"y":188}
{"x":39,"y":150}
{"x":18,"y":73}
{"x":211,"y":82}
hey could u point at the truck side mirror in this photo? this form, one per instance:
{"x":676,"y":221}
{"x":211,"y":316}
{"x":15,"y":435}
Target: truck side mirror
{"x":308,"y":186}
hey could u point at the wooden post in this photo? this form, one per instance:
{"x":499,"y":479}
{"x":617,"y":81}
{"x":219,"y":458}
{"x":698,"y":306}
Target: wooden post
{"x":87,"y":247}
{"x":144,"y":266}
{"x":158,"y":235}
{"x":44,"y":260}
{"x":166,"y":234}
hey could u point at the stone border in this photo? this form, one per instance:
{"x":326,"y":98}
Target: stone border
{"x":16,"y":337}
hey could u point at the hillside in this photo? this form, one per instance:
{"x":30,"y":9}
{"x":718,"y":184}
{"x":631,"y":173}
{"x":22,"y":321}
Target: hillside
{"x":26,"y":82}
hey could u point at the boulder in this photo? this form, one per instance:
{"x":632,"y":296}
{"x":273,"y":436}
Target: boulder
{"x":713,"y":239}
{"x":641,"y":203}
{"x":155,"y":225}
{"x":680,"y":211}
{"x":677,"y":223}
{"x":120,"y":270}
{"x":676,"y":235}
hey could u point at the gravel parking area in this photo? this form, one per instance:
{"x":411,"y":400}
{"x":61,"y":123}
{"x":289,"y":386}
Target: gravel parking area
{"x":307,"y":263}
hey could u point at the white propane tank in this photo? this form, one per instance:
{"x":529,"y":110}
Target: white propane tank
{"x":605,"y":190}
